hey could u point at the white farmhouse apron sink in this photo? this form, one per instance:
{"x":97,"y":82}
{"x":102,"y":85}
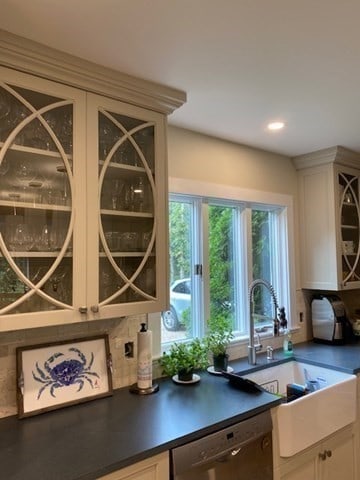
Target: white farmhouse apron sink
{"x":308,"y":419}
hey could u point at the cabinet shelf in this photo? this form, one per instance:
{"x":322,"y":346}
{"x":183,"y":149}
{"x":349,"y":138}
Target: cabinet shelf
{"x":125,"y":213}
{"x":32,"y":206}
{"x":125,"y":254}
{"x":350,"y":227}
{"x":36,"y":254}
{"x":124,"y":167}
{"x":33,"y":153}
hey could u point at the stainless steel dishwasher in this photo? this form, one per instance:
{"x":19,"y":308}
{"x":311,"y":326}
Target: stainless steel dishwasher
{"x":240,"y":452}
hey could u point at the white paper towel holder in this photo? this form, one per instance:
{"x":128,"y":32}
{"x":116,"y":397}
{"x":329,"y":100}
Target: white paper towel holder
{"x":152,"y":387}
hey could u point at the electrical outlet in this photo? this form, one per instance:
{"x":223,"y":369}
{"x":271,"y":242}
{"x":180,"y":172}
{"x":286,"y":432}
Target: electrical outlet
{"x":129,"y":349}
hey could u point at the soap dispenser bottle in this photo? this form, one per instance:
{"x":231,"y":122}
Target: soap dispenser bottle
{"x":287,"y":344}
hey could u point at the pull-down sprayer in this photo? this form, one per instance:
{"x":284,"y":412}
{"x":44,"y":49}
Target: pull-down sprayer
{"x":252,"y":348}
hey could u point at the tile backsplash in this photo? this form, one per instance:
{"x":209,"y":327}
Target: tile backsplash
{"x":120,"y":331}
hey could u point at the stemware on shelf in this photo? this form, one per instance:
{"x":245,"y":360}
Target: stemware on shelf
{"x":21,"y":239}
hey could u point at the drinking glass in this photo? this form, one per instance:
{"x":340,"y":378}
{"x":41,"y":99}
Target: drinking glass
{"x":65,"y":188}
{"x":4,"y":166}
{"x":66,"y":133}
{"x":36,"y":185}
{"x":139,"y":194}
{"x":348,"y":198}
{"x":127,"y":197}
{"x":22,"y":239}
{"x":116,"y":189}
{"x":24,"y":174}
{"x":47,"y":240}
{"x":15,"y":197}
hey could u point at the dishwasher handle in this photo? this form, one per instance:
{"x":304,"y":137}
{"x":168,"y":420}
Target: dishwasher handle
{"x":235,"y":452}
{"x":228,"y":456}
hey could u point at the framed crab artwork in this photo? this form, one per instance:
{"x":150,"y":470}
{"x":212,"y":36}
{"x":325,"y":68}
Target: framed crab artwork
{"x":55,"y":375}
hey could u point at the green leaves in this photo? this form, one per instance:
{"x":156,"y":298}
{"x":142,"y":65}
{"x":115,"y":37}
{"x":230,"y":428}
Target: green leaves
{"x":219,"y":335}
{"x":184,"y":356}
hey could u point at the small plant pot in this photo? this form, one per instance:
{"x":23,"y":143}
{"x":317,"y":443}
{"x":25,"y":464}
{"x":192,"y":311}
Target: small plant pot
{"x":185,"y":376}
{"x":221,"y":362}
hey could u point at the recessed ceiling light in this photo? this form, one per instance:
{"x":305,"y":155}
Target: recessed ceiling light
{"x":276,"y":125}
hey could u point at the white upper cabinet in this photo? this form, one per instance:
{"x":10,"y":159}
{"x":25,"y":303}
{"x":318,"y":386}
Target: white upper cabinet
{"x":126,"y":152}
{"x":83,"y":192}
{"x":329,"y":219}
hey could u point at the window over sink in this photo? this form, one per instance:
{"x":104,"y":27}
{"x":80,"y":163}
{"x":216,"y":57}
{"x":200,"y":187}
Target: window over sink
{"x":218,"y":244}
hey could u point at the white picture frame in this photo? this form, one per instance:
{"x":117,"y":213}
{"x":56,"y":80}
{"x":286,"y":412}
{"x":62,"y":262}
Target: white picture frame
{"x":59,"y":374}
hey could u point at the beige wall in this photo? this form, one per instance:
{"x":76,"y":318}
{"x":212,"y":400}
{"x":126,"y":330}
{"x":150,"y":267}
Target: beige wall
{"x":208,"y":159}
{"x":200,"y":157}
{"x":193,"y":156}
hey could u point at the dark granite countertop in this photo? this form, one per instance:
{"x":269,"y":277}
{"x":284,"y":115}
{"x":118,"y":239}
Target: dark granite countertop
{"x":86,"y":441}
{"x":345,"y":358}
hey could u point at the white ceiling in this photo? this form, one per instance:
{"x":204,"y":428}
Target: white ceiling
{"x":242,"y":63}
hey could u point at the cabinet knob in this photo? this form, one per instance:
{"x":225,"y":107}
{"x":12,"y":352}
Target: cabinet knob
{"x":322,"y":456}
{"x":325,"y":454}
{"x":83,"y":309}
{"x":94,"y":308}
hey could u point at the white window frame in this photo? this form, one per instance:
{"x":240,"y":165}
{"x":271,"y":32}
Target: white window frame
{"x":284,"y":275}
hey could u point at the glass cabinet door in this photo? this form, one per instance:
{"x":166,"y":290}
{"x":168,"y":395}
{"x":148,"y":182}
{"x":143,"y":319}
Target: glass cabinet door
{"x":127,"y":205}
{"x":350,"y":226}
{"x":36,"y":196}
{"x":79,"y":205}
{"x":127,"y":221}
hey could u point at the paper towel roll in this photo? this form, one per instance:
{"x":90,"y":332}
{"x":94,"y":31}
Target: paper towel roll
{"x":144,"y":369}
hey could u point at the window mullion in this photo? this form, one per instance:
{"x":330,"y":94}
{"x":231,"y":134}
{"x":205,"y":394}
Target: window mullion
{"x":274,"y":257}
{"x":197,"y":298}
{"x":283,"y":264}
{"x":240,"y":267}
{"x":248,"y":266}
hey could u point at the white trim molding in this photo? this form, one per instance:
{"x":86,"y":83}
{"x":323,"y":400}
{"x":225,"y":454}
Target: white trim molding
{"x":37,"y":59}
{"x":227,"y":192}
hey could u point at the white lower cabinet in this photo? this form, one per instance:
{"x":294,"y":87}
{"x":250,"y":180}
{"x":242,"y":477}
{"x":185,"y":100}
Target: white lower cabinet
{"x":154,"y":468}
{"x":331,"y":459}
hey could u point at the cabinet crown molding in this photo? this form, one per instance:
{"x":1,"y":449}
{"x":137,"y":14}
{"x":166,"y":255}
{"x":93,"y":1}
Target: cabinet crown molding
{"x":337,"y":154}
{"x":37,"y":59}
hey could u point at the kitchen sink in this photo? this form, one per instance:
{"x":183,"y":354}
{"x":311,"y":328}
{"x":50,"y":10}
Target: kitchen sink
{"x":312,"y":417}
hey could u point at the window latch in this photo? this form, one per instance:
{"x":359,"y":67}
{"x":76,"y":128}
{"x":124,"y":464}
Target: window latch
{"x":198,"y":269}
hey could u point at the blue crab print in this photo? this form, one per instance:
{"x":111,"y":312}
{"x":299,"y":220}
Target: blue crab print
{"x":66,"y":372}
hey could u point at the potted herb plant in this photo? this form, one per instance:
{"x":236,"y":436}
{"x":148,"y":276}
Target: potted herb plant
{"x":183,"y":358}
{"x":219,"y":335}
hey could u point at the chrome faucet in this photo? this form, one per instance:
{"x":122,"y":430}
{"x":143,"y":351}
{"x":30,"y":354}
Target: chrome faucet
{"x":253,"y":348}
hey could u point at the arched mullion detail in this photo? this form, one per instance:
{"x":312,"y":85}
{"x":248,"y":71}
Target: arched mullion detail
{"x":36,"y":288}
{"x":128,"y":282}
{"x":351,"y":265}
{"x":39,"y":115}
{"x":128,"y":135}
